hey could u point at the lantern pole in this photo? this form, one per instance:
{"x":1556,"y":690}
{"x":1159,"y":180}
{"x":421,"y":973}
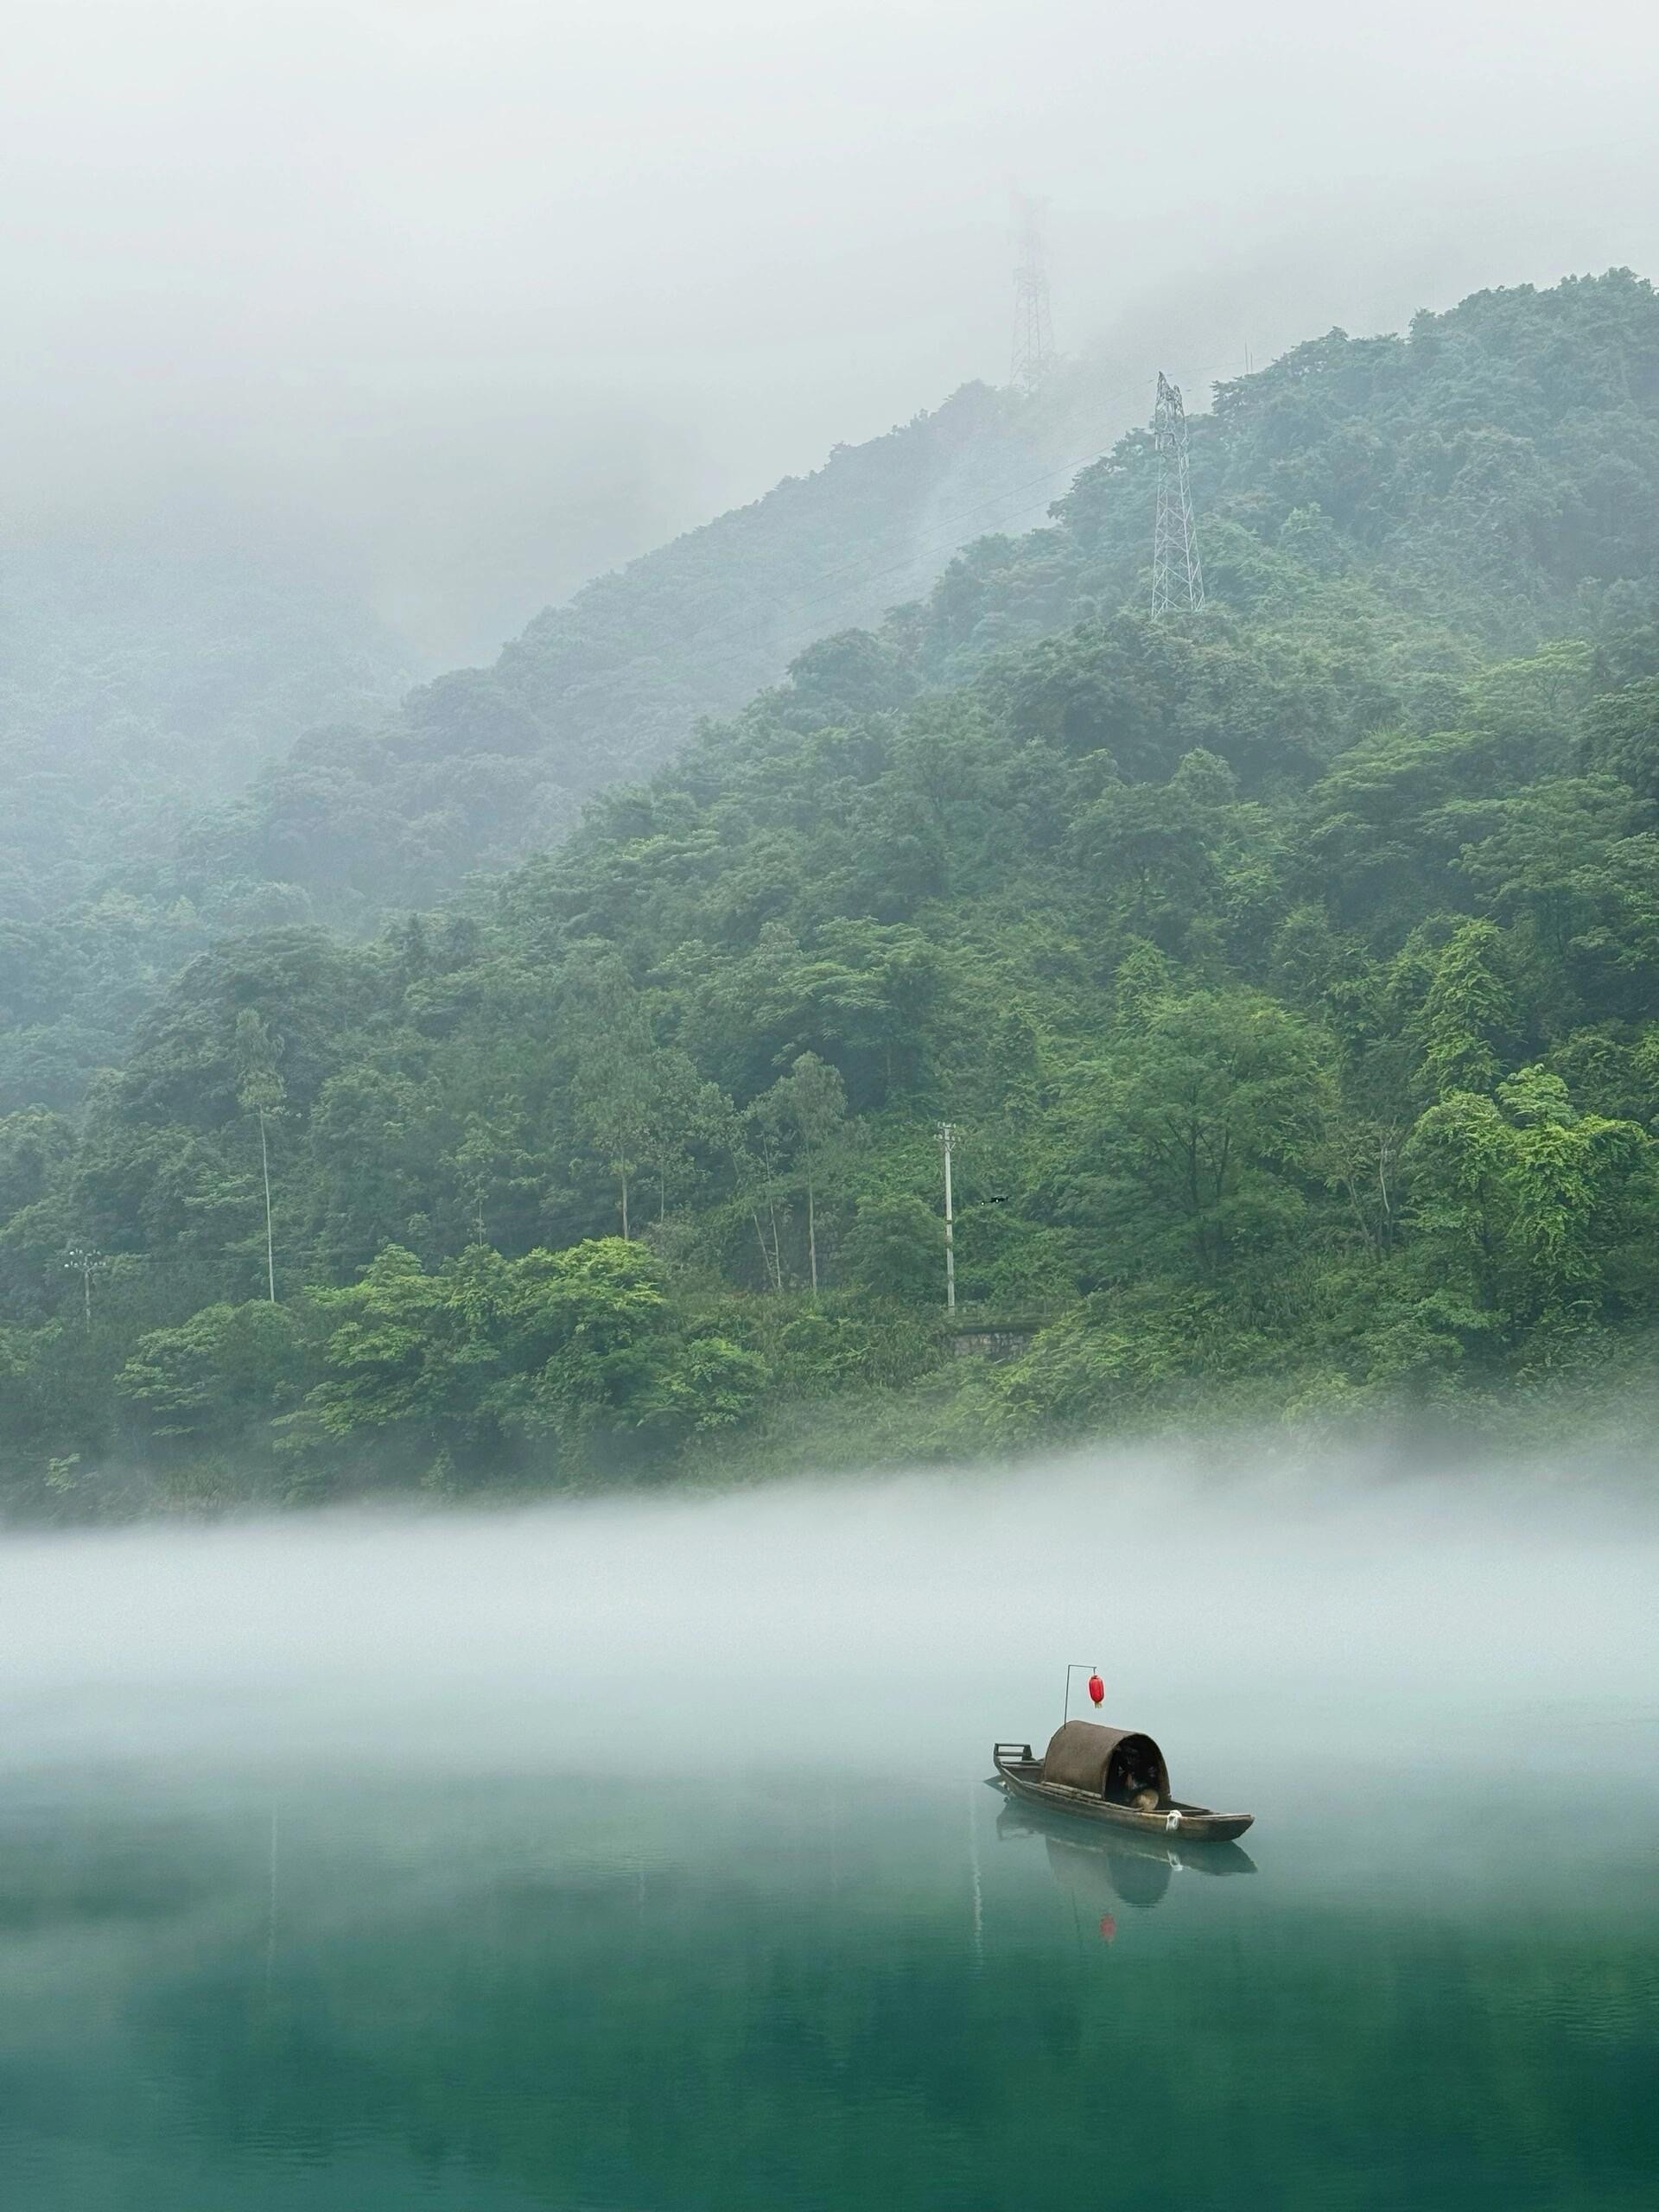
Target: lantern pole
{"x":1077,"y":1667}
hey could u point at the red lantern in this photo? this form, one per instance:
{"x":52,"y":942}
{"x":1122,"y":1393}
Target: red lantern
{"x":1107,"y":1928}
{"x":1097,"y":1689}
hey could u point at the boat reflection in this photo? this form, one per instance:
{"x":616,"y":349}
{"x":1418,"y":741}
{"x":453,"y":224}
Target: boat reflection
{"x":1095,"y":1866}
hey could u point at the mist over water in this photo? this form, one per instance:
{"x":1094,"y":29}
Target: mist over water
{"x":1233,"y":1609}
{"x":637,"y":1850}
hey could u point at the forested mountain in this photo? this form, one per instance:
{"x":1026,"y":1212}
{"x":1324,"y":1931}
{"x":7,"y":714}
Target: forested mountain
{"x":196,"y":746}
{"x":1288,"y":971}
{"x":487,"y":764}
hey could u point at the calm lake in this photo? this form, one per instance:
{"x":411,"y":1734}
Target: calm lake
{"x":478,"y":1993}
{"x":637,"y":1856}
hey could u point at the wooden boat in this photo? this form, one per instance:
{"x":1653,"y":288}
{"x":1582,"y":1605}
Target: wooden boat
{"x":1019,"y":1821}
{"x":1096,"y":1773}
{"x":1098,"y":1865}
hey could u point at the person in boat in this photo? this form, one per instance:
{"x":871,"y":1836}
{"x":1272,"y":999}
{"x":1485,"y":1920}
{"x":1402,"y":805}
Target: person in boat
{"x":1137,"y":1789}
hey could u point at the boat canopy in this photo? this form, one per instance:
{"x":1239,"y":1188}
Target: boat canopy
{"x":1104,"y":1761}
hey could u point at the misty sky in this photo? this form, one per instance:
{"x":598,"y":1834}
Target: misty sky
{"x":482,"y":298}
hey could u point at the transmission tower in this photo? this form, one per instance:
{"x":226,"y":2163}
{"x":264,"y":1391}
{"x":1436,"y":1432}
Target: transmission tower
{"x":1033,"y":329}
{"x":1176,"y":570}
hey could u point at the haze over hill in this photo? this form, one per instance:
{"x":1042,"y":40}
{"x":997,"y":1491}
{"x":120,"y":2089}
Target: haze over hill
{"x":442,"y":313}
{"x":483,"y":300}
{"x":140,"y":674}
{"x":200,"y":739}
{"x":1288,"y":967}
{"x":485,"y":765}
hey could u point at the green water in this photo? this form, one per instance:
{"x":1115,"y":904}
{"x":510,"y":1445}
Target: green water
{"x":794,"y":1992}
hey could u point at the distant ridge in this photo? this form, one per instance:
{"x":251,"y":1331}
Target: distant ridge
{"x":1489,"y":477}
{"x":484,"y":764}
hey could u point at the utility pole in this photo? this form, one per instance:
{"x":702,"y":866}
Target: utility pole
{"x":259,"y":1090}
{"x":947,"y":1133}
{"x":1033,"y":354}
{"x":84,"y":1260}
{"x":1175,"y":567}
{"x":270,"y":1240}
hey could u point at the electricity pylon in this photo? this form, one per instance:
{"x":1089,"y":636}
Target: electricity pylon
{"x":1175,"y":535}
{"x":1033,"y":354}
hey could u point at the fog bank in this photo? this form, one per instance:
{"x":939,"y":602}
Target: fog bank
{"x":486,"y":298}
{"x":848,"y":1624}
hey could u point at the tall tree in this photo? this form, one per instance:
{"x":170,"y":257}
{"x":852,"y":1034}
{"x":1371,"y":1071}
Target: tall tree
{"x":613,"y":1092}
{"x":1208,"y":1123}
{"x":1469,"y":1019}
{"x":1521,"y":1198}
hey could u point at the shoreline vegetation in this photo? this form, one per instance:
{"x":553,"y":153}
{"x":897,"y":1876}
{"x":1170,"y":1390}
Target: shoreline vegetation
{"x":1288,"y":972}
{"x":1592,"y":1431}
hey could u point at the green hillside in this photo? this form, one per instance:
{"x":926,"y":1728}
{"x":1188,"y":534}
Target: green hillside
{"x":196,"y":746}
{"x":487,"y":764}
{"x":1288,"y":971}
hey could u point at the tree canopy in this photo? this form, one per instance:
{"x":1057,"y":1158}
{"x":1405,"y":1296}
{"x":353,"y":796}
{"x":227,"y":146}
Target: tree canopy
{"x":1289,"y":974}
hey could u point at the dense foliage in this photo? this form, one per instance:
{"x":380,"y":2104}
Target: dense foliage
{"x":1288,"y":972}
